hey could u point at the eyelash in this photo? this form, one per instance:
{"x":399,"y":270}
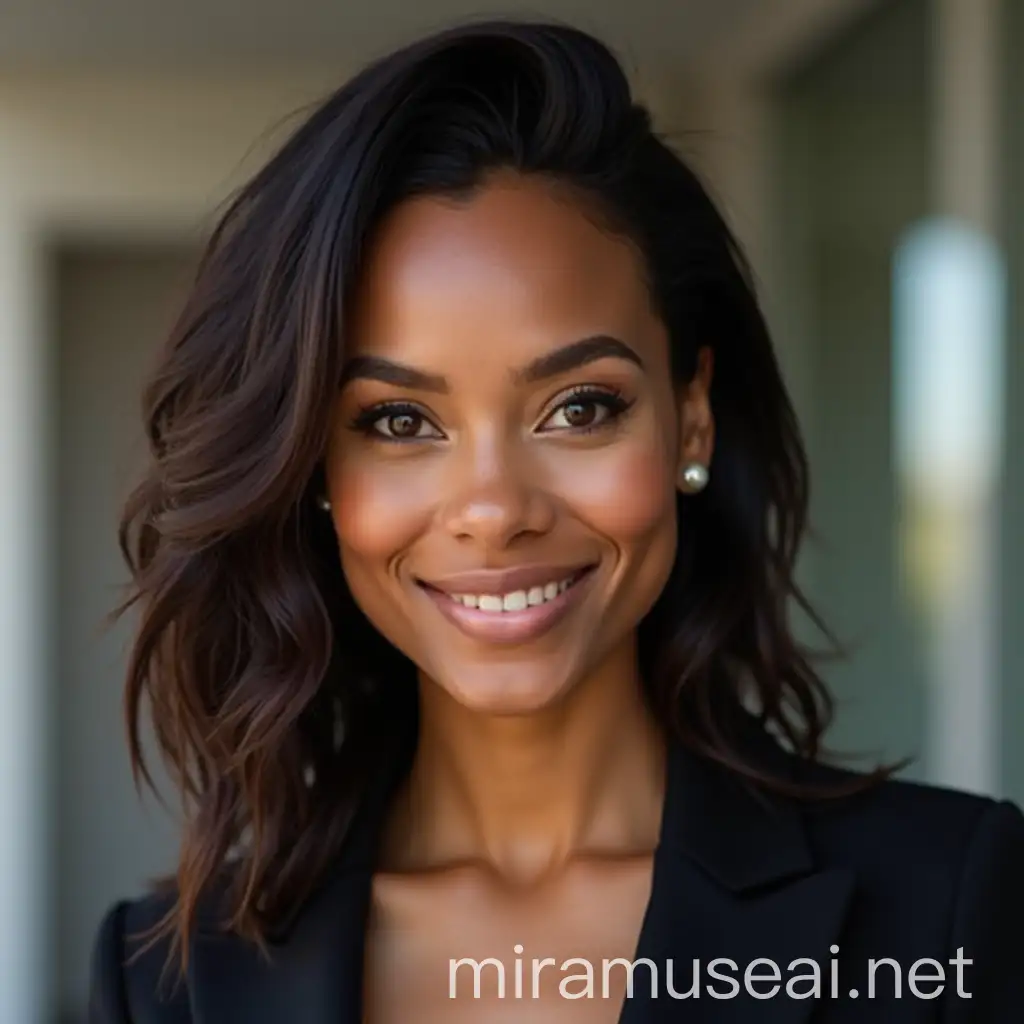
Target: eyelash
{"x":609,"y":399}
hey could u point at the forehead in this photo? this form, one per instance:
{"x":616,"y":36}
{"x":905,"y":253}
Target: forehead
{"x":520,"y":263}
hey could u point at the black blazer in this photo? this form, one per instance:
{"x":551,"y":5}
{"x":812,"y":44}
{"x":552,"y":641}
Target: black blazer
{"x":906,"y":872}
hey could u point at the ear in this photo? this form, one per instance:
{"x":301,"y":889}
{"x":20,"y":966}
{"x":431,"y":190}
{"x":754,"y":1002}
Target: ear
{"x":696,"y":421}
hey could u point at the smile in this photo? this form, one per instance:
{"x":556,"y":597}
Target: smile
{"x":517,"y":600}
{"x":513,"y":615}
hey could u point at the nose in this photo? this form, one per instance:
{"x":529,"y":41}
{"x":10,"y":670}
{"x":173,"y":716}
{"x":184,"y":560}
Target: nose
{"x":496,"y":499}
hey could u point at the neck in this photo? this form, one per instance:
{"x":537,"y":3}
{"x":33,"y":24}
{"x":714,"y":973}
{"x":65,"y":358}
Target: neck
{"x":525,"y":794}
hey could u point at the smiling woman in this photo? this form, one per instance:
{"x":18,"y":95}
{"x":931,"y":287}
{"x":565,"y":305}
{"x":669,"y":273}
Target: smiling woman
{"x":464,"y":566}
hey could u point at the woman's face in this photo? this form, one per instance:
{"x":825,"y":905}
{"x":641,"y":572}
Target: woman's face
{"x":506,"y":444}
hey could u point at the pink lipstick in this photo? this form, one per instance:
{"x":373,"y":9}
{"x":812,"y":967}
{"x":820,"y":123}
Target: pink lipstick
{"x":508,"y":606}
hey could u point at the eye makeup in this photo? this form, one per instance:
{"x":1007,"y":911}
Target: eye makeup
{"x":403,"y":422}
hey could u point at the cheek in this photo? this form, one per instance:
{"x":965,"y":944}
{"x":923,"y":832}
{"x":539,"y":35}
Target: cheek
{"x":378,"y":511}
{"x":628,"y":495}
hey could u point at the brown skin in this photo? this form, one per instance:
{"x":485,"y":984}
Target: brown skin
{"x":534,"y":801}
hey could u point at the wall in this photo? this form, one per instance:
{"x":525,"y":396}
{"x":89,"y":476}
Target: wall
{"x":882,"y":133}
{"x":113,"y":305}
{"x":853,"y":175}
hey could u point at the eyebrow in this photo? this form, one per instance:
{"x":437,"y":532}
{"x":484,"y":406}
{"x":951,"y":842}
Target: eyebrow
{"x":551,"y":364}
{"x":388,"y":372}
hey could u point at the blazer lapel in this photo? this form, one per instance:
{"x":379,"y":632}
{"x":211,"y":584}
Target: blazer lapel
{"x":734,"y":880}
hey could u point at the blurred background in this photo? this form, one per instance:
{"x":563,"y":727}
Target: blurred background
{"x":869,"y":156}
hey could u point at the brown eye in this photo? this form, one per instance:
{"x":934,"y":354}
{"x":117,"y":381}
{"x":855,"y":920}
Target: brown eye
{"x":580,"y":414}
{"x":586,"y":410}
{"x":395,"y":421}
{"x":404,"y":424}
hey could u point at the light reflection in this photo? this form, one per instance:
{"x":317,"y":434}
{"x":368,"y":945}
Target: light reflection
{"x":949,"y":301}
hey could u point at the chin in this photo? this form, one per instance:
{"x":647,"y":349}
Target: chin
{"x":493,"y":690}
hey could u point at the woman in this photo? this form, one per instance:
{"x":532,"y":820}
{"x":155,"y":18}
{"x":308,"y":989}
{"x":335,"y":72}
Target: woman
{"x":464,"y":564}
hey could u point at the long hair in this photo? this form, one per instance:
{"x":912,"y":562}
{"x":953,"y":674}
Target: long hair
{"x":271,"y":696}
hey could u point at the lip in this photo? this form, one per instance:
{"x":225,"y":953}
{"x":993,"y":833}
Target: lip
{"x":504,"y":581}
{"x":507,"y":627}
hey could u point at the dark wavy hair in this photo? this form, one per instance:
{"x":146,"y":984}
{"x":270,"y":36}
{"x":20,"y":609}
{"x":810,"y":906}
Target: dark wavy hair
{"x":272,"y":698}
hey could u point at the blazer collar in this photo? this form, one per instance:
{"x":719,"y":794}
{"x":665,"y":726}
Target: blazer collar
{"x":739,"y":836}
{"x":734,"y":877}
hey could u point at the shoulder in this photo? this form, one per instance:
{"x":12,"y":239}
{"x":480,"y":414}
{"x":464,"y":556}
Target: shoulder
{"x":133,"y":976}
{"x":902,"y":824}
{"x":939,"y":873}
{"x":931,"y":852}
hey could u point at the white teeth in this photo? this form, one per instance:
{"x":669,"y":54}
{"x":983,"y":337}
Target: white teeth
{"x":516,"y":601}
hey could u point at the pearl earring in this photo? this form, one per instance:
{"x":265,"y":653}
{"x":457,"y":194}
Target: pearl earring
{"x":323,"y":503}
{"x":694,"y":477}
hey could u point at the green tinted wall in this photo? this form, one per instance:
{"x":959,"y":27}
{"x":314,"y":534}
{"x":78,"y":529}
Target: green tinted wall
{"x":852,"y":175}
